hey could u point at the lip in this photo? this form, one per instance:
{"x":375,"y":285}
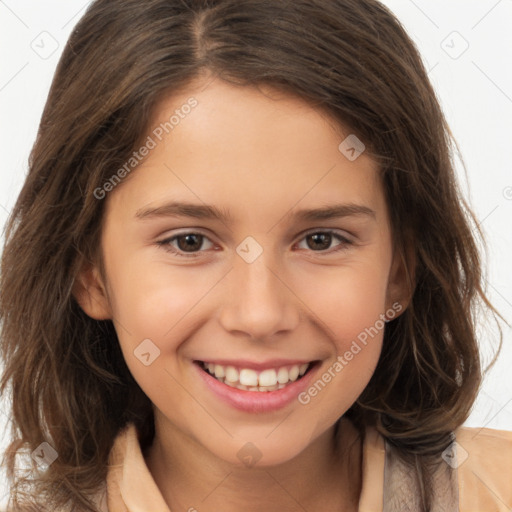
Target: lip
{"x":257,"y":401}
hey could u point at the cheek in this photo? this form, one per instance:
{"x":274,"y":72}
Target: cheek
{"x":150,"y":298}
{"x":156,"y":302}
{"x":153,"y":301}
{"x":350,"y":304}
{"x":347,"y":300}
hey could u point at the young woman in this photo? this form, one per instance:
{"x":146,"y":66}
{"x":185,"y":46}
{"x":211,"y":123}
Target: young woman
{"x":240,"y":275}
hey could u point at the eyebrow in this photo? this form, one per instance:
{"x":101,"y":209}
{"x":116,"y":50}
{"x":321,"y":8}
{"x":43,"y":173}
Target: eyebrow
{"x":204,"y":211}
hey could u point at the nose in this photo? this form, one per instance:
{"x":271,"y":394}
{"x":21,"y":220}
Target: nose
{"x":259,"y":302}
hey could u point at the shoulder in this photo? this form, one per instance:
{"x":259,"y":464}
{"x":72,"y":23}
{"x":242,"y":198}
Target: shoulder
{"x":483,"y":460}
{"x":478,"y":463}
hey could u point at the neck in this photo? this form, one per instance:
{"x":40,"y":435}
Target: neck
{"x":325,"y":476}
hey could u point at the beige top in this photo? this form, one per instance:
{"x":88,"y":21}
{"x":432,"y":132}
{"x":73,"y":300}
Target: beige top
{"x":476,"y":477}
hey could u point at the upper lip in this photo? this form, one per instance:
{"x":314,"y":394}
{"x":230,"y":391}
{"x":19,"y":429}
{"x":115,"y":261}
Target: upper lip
{"x":254,"y":365}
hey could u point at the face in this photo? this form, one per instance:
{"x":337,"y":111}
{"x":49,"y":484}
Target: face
{"x":247,"y":245}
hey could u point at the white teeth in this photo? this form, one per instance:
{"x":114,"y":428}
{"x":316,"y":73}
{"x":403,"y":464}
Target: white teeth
{"x":268,"y":378}
{"x":231,"y":374}
{"x":248,"y":377}
{"x":251,"y":380}
{"x":282,"y":376}
{"x":293,"y":374}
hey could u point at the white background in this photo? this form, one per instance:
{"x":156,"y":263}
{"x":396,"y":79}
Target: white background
{"x":474,"y":88}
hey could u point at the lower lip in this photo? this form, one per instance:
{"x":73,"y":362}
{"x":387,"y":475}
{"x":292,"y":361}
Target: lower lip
{"x":257,"y":401}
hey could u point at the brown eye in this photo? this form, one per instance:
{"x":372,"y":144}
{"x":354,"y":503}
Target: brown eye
{"x":190,"y":242}
{"x":321,"y":241}
{"x":186,"y":244}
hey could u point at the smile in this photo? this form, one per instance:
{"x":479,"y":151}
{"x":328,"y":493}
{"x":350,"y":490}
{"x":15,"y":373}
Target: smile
{"x":257,"y":387}
{"x":248,"y":379}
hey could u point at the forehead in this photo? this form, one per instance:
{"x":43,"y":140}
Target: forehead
{"x":247,"y":146}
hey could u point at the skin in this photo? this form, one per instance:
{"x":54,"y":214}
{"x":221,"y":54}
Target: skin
{"x":261,"y":155}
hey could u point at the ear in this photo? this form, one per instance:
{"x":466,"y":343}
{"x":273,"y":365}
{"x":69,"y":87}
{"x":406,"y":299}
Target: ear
{"x":90,"y":293}
{"x":401,"y":279}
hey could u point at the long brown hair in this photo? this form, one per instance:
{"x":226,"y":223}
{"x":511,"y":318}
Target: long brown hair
{"x":65,"y":372}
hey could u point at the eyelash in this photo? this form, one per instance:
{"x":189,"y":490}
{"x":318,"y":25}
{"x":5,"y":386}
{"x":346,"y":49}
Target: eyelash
{"x":166,"y":244}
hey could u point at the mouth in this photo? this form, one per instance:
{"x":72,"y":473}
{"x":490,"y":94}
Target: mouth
{"x":262,"y":381}
{"x":257,"y":387}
